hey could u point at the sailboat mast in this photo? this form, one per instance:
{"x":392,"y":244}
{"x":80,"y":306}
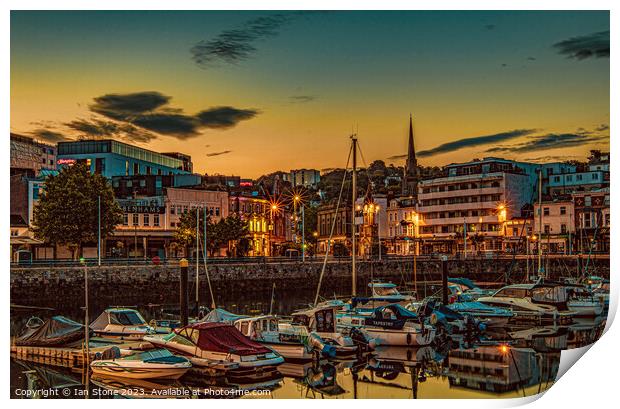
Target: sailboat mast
{"x":353,"y":227}
{"x":197,"y":255}
{"x":540,"y":219}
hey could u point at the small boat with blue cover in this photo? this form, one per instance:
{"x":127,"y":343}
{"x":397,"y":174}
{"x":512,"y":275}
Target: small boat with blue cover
{"x":156,"y":364}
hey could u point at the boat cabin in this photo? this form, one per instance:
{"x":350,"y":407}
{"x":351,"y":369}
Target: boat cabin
{"x":550,"y":294}
{"x":391,"y":316}
{"x":385,"y":290}
{"x":119,"y":316}
{"x":319,"y":319}
{"x":257,"y":327}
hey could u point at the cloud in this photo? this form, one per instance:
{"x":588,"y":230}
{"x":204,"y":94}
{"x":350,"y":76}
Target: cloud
{"x":552,"y":141}
{"x":224,"y":117}
{"x":552,"y":158}
{"x":150,"y":112}
{"x":235,"y":45}
{"x":531,"y":58}
{"x":602,"y":127}
{"x":397,"y":157}
{"x":96,"y":128}
{"x":595,"y":45}
{"x":474,"y":141}
{"x":124,"y":106}
{"x":490,"y":26}
{"x":211,"y":154}
{"x":300,"y":99}
{"x":48,"y":136}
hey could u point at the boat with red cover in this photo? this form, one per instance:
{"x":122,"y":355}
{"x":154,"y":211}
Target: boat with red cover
{"x":220,"y":346}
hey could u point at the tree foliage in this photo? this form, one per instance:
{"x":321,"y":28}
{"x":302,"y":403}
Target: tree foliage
{"x":218,"y":234}
{"x":67,"y":212}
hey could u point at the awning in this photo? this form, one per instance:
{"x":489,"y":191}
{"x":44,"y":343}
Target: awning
{"x":24,"y":240}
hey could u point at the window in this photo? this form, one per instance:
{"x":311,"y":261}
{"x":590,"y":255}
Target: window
{"x":545,"y":211}
{"x":136,"y":169}
{"x":563,"y":210}
{"x":594,"y":176}
{"x":156,"y":219}
{"x":146,"y":219}
{"x":125,"y":219}
{"x":556,"y":179}
{"x":126,"y":168}
{"x":148,"y":170}
{"x":587,"y":221}
{"x":142,"y":183}
{"x":172,"y":209}
{"x":588,"y":200}
{"x":135,"y":219}
{"x":217,"y":211}
{"x":563,"y":228}
{"x":547,"y":229}
{"x":579,"y":177}
{"x":129,"y":183}
{"x":607,"y":219}
{"x":569,"y":178}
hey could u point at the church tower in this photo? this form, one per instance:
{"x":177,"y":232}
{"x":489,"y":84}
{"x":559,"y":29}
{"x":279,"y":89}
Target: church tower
{"x":412,"y":172}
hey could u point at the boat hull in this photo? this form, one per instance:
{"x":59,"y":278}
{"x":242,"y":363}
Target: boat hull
{"x":296,"y":352}
{"x":148,"y":371}
{"x":382,"y":336}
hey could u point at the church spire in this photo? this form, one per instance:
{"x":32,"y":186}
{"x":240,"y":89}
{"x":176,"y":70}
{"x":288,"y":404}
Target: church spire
{"x":412,"y":163}
{"x":411,"y":172}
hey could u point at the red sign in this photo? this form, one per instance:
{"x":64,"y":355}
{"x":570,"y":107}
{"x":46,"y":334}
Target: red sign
{"x":245,"y":183}
{"x":65,"y":161}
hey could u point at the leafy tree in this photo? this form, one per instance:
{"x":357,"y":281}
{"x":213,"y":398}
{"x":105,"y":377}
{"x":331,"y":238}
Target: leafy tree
{"x":67,"y":212}
{"x":220,"y":234}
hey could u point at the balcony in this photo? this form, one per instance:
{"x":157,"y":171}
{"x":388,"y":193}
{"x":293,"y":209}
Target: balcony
{"x":459,"y":206}
{"x":460,"y":220}
{"x":462,"y":192}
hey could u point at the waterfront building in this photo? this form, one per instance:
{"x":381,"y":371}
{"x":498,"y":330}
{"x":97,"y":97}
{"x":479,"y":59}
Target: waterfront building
{"x":556,"y":233}
{"x":402,"y":227}
{"x":29,"y":156}
{"x":476,"y":198}
{"x":269,"y":224}
{"x":592,"y":220}
{"x":113,"y":158}
{"x":150,"y":222}
{"x":371,"y":224}
{"x":327,"y":215}
{"x":302,"y":177}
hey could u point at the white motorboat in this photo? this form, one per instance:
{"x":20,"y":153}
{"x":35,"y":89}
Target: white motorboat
{"x":394,"y":325}
{"x":223,"y":348}
{"x":489,"y":315}
{"x":319,"y":323}
{"x":157,"y":364}
{"x":265,"y":330}
{"x":123,"y":323}
{"x":539,"y":302}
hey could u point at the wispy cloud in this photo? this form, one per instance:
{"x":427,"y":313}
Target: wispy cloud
{"x":595,"y":45}
{"x":548,"y":141}
{"x":211,"y":154}
{"x":474,"y":141}
{"x":300,"y":99}
{"x":150,"y":111}
{"x":48,"y":135}
{"x":238,"y":44}
{"x":97,"y":128}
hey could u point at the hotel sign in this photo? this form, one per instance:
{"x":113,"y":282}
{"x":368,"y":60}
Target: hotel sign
{"x":145,"y":205}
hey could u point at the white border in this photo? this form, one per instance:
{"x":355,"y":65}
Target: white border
{"x":592,"y":381}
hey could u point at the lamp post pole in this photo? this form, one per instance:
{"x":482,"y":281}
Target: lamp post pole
{"x":303,"y":235}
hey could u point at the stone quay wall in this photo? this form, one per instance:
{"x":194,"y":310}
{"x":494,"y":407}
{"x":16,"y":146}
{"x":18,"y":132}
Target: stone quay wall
{"x":132,"y":285}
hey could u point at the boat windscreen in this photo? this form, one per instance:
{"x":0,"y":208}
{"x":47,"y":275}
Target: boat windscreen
{"x":126,"y":318}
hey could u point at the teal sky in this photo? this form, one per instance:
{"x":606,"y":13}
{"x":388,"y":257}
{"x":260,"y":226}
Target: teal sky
{"x":318,"y":75}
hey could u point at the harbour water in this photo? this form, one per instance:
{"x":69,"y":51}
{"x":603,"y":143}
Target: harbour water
{"x":511,"y":363}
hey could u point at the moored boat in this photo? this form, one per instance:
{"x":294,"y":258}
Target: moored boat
{"x":264,"y":329}
{"x":395,"y":325}
{"x":156,"y":364}
{"x":538,"y":302}
{"x":222,"y":348}
{"x":123,"y":323}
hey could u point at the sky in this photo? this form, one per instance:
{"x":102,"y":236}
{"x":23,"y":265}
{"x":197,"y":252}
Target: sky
{"x":249,"y":93}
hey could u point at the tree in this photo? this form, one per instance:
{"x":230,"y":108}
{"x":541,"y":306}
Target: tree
{"x":220,"y":234}
{"x":67,"y":212}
